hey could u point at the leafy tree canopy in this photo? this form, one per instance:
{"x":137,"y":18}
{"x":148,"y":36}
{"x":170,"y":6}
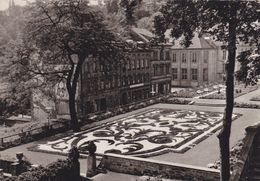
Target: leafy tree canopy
{"x":59,"y":37}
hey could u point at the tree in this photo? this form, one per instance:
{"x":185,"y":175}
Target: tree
{"x":249,"y":67}
{"x":112,"y":6}
{"x":226,"y":21}
{"x":59,"y":37}
{"x":129,"y":7}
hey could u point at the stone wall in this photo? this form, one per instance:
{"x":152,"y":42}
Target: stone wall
{"x":141,"y":166}
{"x":241,"y":169}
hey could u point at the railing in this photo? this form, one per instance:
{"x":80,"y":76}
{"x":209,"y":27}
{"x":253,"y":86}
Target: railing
{"x":58,"y":127}
{"x":33,"y":134}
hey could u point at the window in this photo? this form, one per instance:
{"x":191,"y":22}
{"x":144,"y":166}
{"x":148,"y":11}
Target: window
{"x":167,"y":68}
{"x":205,"y":74}
{"x":183,"y":58}
{"x":138,"y":64}
{"x":113,"y":82}
{"x":102,"y":85}
{"x":174,"y":73}
{"x":161,"y":69}
{"x":193,"y":57}
{"x":94,"y":66}
{"x":155,"y":67}
{"x":128,"y":65}
{"x":184,"y":75}
{"x":136,"y":79}
{"x":206,"y":56}
{"x":167,"y":55}
{"x":130,"y":79}
{"x":133,"y":64}
{"x":155,"y":55}
{"x":125,"y":80}
{"x":161,"y":55}
{"x":194,"y":74}
{"x":142,"y":63}
{"x":224,"y":54}
{"x":174,"y":59}
{"x":146,"y":63}
{"x":108,"y":85}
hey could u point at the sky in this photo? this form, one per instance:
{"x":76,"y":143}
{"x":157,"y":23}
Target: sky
{"x":5,"y":3}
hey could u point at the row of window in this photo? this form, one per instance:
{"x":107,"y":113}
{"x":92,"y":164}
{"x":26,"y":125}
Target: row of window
{"x":161,"y":69}
{"x":137,"y":64}
{"x":90,"y":67}
{"x":183,"y":56}
{"x":194,"y":57}
{"x":184,"y":74}
{"x":94,"y":85}
{"x":135,"y":79}
{"x":140,"y":54}
{"x":161,"y":55}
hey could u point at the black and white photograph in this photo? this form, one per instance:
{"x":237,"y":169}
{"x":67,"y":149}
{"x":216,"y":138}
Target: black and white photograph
{"x":129,"y":90}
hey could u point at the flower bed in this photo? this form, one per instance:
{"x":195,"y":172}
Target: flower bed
{"x":256,"y":98}
{"x":196,"y":91}
{"x":148,"y":133}
{"x":239,"y":91}
{"x":247,"y":105}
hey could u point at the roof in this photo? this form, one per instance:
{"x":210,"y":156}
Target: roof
{"x":143,"y":34}
{"x":203,"y":42}
{"x":198,"y":42}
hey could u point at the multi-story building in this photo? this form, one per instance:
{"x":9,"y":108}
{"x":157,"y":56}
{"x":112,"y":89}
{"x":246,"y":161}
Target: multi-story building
{"x":161,"y":70}
{"x":135,"y":77}
{"x":196,"y":65}
{"x":99,"y":86}
{"x":122,"y":84}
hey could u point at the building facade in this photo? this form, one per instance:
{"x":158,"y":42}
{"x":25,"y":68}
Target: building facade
{"x":196,"y":65}
{"x":135,"y":77}
{"x":99,"y":86}
{"x":161,"y":71}
{"x":104,"y":87}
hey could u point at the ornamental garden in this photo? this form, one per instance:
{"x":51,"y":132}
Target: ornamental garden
{"x":152,"y":132}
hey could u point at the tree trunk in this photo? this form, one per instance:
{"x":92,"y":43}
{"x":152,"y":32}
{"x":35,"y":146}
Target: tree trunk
{"x":73,"y":113}
{"x":72,"y":82}
{"x":224,"y":135}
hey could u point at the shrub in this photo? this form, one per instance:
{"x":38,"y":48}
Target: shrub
{"x":61,"y":170}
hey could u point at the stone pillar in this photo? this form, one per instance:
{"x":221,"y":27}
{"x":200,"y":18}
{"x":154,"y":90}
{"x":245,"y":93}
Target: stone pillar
{"x":91,"y":165}
{"x":91,"y":160}
{"x":15,"y":168}
{"x":74,"y":158}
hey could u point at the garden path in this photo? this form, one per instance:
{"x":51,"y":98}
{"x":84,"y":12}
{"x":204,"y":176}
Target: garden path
{"x":246,"y":98}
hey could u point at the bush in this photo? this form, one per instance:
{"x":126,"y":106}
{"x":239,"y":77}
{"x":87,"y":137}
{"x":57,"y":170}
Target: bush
{"x":61,"y":170}
{"x":246,"y":105}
